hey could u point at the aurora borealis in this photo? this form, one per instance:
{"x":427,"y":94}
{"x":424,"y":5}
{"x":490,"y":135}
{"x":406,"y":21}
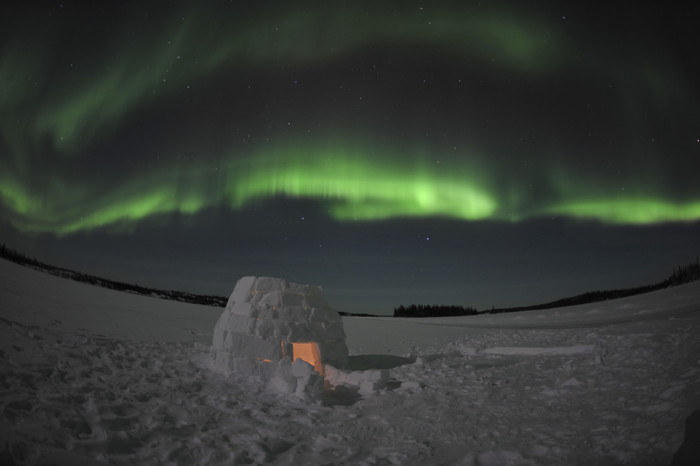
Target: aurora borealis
{"x":258,"y":133}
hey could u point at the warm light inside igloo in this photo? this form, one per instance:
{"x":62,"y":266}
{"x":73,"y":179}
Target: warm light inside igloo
{"x":308,"y":352}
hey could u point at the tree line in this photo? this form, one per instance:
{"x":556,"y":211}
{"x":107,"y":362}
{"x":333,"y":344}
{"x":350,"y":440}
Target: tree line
{"x":19,"y":258}
{"x":435,"y":310}
{"x":680,"y":275}
{"x":686,"y":274}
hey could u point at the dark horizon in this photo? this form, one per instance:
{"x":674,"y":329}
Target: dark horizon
{"x":682,"y":274}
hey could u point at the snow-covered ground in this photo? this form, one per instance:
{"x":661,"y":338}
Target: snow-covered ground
{"x":95,"y":376}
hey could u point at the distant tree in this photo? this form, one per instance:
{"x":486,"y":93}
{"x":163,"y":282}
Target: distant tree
{"x":435,"y":310}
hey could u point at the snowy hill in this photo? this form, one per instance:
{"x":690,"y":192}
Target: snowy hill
{"x":95,"y":376}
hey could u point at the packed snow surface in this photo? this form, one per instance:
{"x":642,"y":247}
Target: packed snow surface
{"x":95,"y":376}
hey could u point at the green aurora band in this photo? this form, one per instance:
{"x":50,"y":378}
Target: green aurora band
{"x":353,"y":184}
{"x":83,"y":103}
{"x":51,"y":110}
{"x":639,"y":211}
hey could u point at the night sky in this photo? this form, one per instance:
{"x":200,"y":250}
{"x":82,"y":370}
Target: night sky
{"x":475,"y":153}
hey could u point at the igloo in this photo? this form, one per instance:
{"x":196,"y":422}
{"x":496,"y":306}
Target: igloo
{"x":284,"y":332}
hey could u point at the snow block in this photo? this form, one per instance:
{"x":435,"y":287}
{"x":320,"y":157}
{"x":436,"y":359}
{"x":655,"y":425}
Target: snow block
{"x":333,"y":331}
{"x":292,"y":299}
{"x":272,"y":300}
{"x":265,"y":285}
{"x":366,"y":382}
{"x":263,"y":319}
{"x":295,"y":313}
{"x":301,"y":368}
{"x":242,"y":309}
{"x":319,"y":302}
{"x":242,"y":291}
{"x":335,"y":353}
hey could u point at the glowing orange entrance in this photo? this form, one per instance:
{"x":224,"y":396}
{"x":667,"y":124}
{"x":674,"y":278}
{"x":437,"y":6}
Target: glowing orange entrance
{"x":308,"y":352}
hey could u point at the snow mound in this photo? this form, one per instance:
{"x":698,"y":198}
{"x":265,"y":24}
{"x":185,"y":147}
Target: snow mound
{"x":285,"y":332}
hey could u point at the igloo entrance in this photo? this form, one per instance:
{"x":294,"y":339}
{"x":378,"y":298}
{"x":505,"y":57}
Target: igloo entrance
{"x":308,"y":352}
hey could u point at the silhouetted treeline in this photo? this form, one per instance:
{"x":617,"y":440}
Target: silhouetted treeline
{"x":357,"y":314}
{"x":681,"y":275}
{"x":19,"y":258}
{"x":689,"y":273}
{"x":422,"y":310}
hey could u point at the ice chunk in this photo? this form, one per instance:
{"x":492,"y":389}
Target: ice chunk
{"x":366,"y":381}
